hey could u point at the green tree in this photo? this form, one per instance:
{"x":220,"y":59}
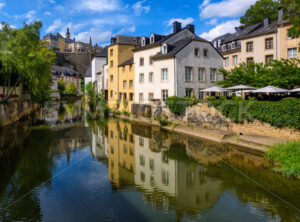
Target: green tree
{"x":71,"y":89}
{"x":259,"y":11}
{"x":61,"y":86}
{"x":283,"y":73}
{"x":292,"y":13}
{"x":25,"y":60}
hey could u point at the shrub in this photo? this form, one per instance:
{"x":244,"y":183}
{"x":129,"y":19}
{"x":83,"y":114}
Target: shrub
{"x":117,"y":113}
{"x":211,"y":98}
{"x":163,"y":121}
{"x":125,"y":103}
{"x":126,"y":113}
{"x":71,"y":89}
{"x":178,"y":105}
{"x":61,"y":85}
{"x":284,"y":113}
{"x":118,"y":104}
{"x":286,"y":158}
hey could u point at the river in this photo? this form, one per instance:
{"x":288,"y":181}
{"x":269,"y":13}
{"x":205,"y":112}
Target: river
{"x":60,"y":166}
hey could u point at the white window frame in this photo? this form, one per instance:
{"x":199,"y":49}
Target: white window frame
{"x":201,"y":71}
{"x":162,"y":75}
{"x":141,"y":78}
{"x":164,"y":49}
{"x":293,"y":54}
{"x":164,"y":94}
{"x":143,"y":43}
{"x":152,"y":40}
{"x":234,"y":60}
{"x":191,"y":74}
{"x":215,"y":75}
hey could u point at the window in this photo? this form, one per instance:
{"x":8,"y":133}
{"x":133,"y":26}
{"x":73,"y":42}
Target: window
{"x":215,"y":44}
{"x":131,"y":96}
{"x":142,"y":160}
{"x":250,"y":59}
{"x":233,"y":45}
{"x":151,"y":164}
{"x":190,"y":178}
{"x":111,"y":64}
{"x":200,"y":94}
{"x":142,"y":175}
{"x":124,"y":84}
{"x":111,"y":94}
{"x":125,"y":148}
{"x":141,"y":97}
{"x":151,"y":96}
{"x":120,"y":96}
{"x":164,"y":74}
{"x":165,"y":177}
{"x":234,"y":60}
{"x":131,"y":84}
{"x":223,"y":47}
{"x":123,"y":68}
{"x":152,"y":39}
{"x":201,"y":74}
{"x":205,"y":52}
{"x":164,"y":49}
{"x":226,"y":61}
{"x":150,"y":60}
{"x":112,"y":149}
{"x":188,"y":92}
{"x":164,"y":94}
{"x":268,"y":58}
{"x":141,"y":61}
{"x":130,"y":68}
{"x":196,"y":52}
{"x":292,"y":53}
{"x":141,"y":141}
{"x":125,"y":96}
{"x":141,"y":80}
{"x":111,"y":52}
{"x":188,"y":74}
{"x":143,"y":41}
{"x":213,"y":76}
{"x":269,"y":43}
{"x":131,"y":151}
{"x":249,"y":47}
{"x":151,"y":77}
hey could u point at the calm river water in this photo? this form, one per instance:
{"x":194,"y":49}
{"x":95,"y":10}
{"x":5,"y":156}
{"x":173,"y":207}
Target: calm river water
{"x":111,"y":170}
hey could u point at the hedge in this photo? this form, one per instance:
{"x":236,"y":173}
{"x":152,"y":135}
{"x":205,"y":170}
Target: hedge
{"x":284,"y":113}
{"x":177,"y":105}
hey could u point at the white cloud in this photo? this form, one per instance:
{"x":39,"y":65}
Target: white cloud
{"x":52,"y":1}
{"x":30,"y":16}
{"x":47,"y":13}
{"x":226,"y":27}
{"x":59,"y":8}
{"x":184,"y":22}
{"x":2,"y":4}
{"x":98,"y":36}
{"x":224,"y":8}
{"x":55,"y":25}
{"x":213,"y":21}
{"x":131,"y":29}
{"x":98,"y":5}
{"x":138,"y":8}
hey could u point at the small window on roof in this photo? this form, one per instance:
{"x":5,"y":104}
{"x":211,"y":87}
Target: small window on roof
{"x":233,"y":45}
{"x":164,"y":49}
{"x":143,"y":41}
{"x":151,"y":39}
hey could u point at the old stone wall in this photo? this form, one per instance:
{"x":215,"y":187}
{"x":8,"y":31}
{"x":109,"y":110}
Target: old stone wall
{"x":202,"y":116}
{"x":141,"y":109}
{"x":15,"y":110}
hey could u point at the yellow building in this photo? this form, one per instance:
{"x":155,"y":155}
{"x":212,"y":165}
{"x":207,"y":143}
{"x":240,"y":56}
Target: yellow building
{"x":57,"y":41}
{"x":288,"y":46}
{"x":126,"y":85}
{"x":121,"y":153}
{"x":119,"y":52}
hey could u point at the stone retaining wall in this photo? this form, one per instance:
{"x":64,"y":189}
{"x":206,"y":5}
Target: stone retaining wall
{"x":15,"y":110}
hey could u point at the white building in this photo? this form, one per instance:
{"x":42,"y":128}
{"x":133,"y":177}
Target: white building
{"x":179,"y":64}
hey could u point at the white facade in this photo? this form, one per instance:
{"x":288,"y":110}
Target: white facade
{"x":97,"y":73}
{"x":105,"y":77}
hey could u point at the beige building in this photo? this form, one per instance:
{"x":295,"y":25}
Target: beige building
{"x":57,"y":41}
{"x":261,"y":43}
{"x":79,"y":47}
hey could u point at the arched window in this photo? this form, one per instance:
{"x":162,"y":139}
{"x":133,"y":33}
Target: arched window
{"x":152,"y":39}
{"x":143,"y":41}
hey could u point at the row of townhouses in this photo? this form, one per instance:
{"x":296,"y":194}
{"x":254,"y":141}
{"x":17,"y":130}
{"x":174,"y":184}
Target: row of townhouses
{"x":261,"y":43}
{"x":142,"y":69}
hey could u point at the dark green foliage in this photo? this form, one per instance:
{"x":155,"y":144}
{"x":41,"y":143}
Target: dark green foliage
{"x":61,"y":86}
{"x":259,"y":11}
{"x":286,"y":157}
{"x":292,"y":13}
{"x":284,"y":113}
{"x":71,"y":89}
{"x":178,"y":105}
{"x":163,"y":121}
{"x":284,"y":73}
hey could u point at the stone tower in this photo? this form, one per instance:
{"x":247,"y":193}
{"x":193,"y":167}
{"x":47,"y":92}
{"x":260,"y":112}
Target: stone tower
{"x":91,"y":40}
{"x":68,"y":33}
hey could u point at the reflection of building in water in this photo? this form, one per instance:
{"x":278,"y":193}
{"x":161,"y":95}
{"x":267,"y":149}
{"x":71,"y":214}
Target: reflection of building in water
{"x":99,"y":144}
{"x":121,"y":153}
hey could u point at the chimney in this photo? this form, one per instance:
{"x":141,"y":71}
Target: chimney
{"x":280,"y":14}
{"x":191,"y":28}
{"x":267,"y":21}
{"x":176,"y":27}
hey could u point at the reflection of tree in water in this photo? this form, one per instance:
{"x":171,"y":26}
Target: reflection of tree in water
{"x":61,"y":113}
{"x":71,"y":108}
{"x":30,"y":166}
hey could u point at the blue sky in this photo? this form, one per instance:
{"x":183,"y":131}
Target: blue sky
{"x":102,"y":19}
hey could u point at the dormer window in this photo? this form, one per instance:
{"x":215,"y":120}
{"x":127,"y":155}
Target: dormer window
{"x":233,"y":45}
{"x":224,"y":47}
{"x":143,"y":41}
{"x":219,"y":42}
{"x":152,"y":39}
{"x":164,"y":49}
{"x":215,"y":44}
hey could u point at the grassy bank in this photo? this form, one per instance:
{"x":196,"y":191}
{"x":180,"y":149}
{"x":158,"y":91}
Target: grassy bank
{"x":286,"y":158}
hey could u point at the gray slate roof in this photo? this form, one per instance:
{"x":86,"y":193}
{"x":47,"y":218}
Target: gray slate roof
{"x":124,"y":39}
{"x":127,"y":62}
{"x":102,"y":53}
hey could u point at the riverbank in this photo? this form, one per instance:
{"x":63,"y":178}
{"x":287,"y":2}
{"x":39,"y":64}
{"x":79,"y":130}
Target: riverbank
{"x":250,"y":142}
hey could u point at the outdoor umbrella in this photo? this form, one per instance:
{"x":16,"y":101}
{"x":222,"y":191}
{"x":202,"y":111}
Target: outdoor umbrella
{"x":214,"y":89}
{"x":295,"y":90}
{"x":241,"y":87}
{"x":270,"y":89}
